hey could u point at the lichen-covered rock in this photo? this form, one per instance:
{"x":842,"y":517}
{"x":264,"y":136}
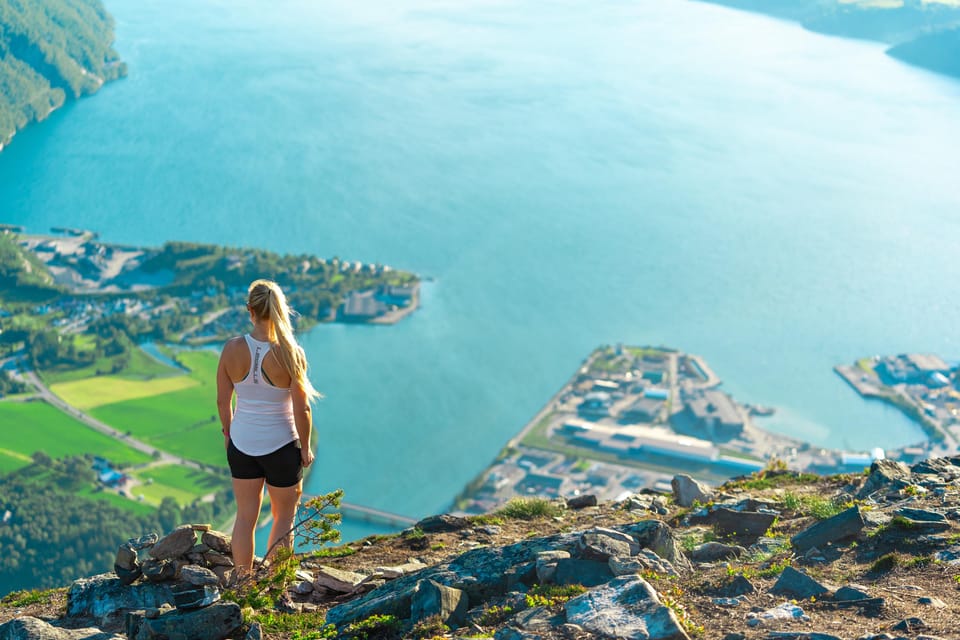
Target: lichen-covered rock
{"x":627,"y":607}
{"x":713,"y":551}
{"x":686,"y":490}
{"x":602,"y":544}
{"x":97,"y":596}
{"x":885,"y":474}
{"x":434,"y":599}
{"x":29,"y":628}
{"x":658,"y":537}
{"x":218,"y":541}
{"x":215,"y":622}
{"x":198,"y":575}
{"x":798,"y":585}
{"x":337,"y":579}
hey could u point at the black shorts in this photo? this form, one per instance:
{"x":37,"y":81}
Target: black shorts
{"x":281,"y":468}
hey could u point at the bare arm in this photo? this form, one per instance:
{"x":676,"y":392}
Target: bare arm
{"x":303,"y":420}
{"x":224,"y":396}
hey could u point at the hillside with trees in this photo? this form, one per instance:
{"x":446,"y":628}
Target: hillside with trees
{"x":51,"y":51}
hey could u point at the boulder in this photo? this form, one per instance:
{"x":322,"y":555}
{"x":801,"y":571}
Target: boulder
{"x":627,"y":607}
{"x":143,"y":542}
{"x":175,"y":544}
{"x":216,"y":622}
{"x":582,"y":502}
{"x":337,"y":579}
{"x":126,"y":557}
{"x":652,"y":562}
{"x":686,"y":491}
{"x":159,"y":570}
{"x":442,"y":523}
{"x":713,"y":551}
{"x":434,"y":599}
{"x":658,"y":537}
{"x":29,"y":628}
{"x":851,"y":592}
{"x":885,"y":474}
{"x":394,"y":572}
{"x":798,"y":585}
{"x":218,"y":541}
{"x":738,"y":586}
{"x":920,"y":515}
{"x":97,"y":596}
{"x":602,"y":544}
{"x":742,"y":523}
{"x":843,"y":525}
{"x":198,"y":575}
{"x":217,"y":559}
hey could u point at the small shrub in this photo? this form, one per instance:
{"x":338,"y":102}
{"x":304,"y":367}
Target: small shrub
{"x":438,"y":547}
{"x":774,"y":569}
{"x":261,"y":589}
{"x":528,"y":509}
{"x":373,"y":627}
{"x":551,"y":595}
{"x":683,"y":616}
{"x":429,"y":627}
{"x":493,"y":616}
{"x":902,"y":523}
{"x":301,"y":626}
{"x":885,"y":563}
{"x":485,"y":519}
{"x":415,"y":533}
{"x":334,"y":552}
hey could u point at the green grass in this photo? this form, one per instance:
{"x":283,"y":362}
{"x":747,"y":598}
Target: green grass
{"x":27,"y":427}
{"x":32,"y":596}
{"x":528,"y":509}
{"x":139,"y":508}
{"x":182,"y":484}
{"x":91,"y":393}
{"x":184,"y":422}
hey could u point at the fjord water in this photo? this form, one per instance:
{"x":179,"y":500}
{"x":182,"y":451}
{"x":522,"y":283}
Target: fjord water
{"x":570,"y":172}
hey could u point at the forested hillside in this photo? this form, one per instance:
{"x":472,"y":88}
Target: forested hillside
{"x":51,"y":51}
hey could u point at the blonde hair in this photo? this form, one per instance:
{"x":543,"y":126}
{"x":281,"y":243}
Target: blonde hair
{"x":266,"y":300}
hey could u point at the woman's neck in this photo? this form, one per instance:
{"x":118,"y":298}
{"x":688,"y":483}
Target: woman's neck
{"x":260,"y":332}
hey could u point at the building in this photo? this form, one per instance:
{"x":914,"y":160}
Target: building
{"x":714,"y":413}
{"x":643,"y":410}
{"x":362,"y":307}
{"x":912,"y":368}
{"x":398,"y":296}
{"x":595,"y":403}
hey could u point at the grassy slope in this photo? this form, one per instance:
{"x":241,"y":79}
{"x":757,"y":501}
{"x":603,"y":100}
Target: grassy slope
{"x":184,"y":485}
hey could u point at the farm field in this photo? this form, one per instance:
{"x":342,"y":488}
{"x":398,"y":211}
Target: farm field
{"x":91,"y":393}
{"x":183,"y":421}
{"x":140,"y":367}
{"x":27,"y":427}
{"x":184,"y":485}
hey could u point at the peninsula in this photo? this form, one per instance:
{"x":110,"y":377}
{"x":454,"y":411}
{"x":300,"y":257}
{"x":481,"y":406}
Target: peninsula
{"x":52,"y":51}
{"x":632,"y":417}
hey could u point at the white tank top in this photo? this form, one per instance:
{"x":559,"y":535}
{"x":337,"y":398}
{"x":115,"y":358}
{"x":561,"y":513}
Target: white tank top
{"x":263,"y":421}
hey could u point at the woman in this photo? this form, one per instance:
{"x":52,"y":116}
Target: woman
{"x":267,"y":437}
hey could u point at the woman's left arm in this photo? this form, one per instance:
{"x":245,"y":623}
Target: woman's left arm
{"x":303,"y":420}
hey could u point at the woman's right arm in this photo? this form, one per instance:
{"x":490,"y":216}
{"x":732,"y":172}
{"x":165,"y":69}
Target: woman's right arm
{"x":225,"y":395}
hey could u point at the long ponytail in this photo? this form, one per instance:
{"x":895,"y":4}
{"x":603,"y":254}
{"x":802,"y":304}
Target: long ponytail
{"x":266,"y":300}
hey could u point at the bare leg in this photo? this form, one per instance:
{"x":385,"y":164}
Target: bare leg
{"x":283,"y":504}
{"x":249,"y":496}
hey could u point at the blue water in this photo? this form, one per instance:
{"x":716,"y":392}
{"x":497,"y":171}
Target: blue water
{"x":572,"y":173}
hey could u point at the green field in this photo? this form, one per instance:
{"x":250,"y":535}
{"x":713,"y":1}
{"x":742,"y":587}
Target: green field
{"x":184,"y":485}
{"x":183,"y":423}
{"x":101,"y":390}
{"x":27,"y":427}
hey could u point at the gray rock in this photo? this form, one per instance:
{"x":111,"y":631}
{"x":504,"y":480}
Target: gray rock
{"x":303,"y":588}
{"x":658,"y":537}
{"x":255,"y":632}
{"x":929,"y":601}
{"x":713,"y":551}
{"x":490,"y":530}
{"x":175,"y":544}
{"x":843,"y":525}
{"x":434,"y":599}
{"x":218,"y":541}
{"x":99,"y":595}
{"x":442,"y":523}
{"x":29,"y":628}
{"x":652,"y":562}
{"x":538,"y":620}
{"x":885,"y":474}
{"x":143,"y":542}
{"x":127,"y":576}
{"x":589,"y":573}
{"x":394,"y":572}
{"x":337,"y":579}
{"x":776,"y":615}
{"x":602,"y":544}
{"x":188,"y":596}
{"x":627,"y":607}
{"x":159,"y":571}
{"x":686,"y":491}
{"x":920,"y":515}
{"x":547,"y":565}
{"x":851,"y":592}
{"x":739,"y":586}
{"x":801,"y":635}
{"x":937,"y":466}
{"x":797,"y":584}
{"x":910,"y":624}
{"x":216,"y":622}
{"x":217,"y":559}
{"x":949,"y":556}
{"x":742,"y":523}
{"x":197,"y":575}
{"x":126,"y":557}
{"x":582,"y":502}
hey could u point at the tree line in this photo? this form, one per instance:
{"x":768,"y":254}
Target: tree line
{"x":51,"y":50}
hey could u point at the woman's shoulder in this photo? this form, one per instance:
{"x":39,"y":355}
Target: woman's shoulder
{"x":234,"y":344}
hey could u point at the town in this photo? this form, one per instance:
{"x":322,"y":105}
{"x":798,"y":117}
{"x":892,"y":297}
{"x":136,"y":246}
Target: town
{"x":632,"y":417}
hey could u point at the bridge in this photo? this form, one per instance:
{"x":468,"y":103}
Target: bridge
{"x":369,"y":514}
